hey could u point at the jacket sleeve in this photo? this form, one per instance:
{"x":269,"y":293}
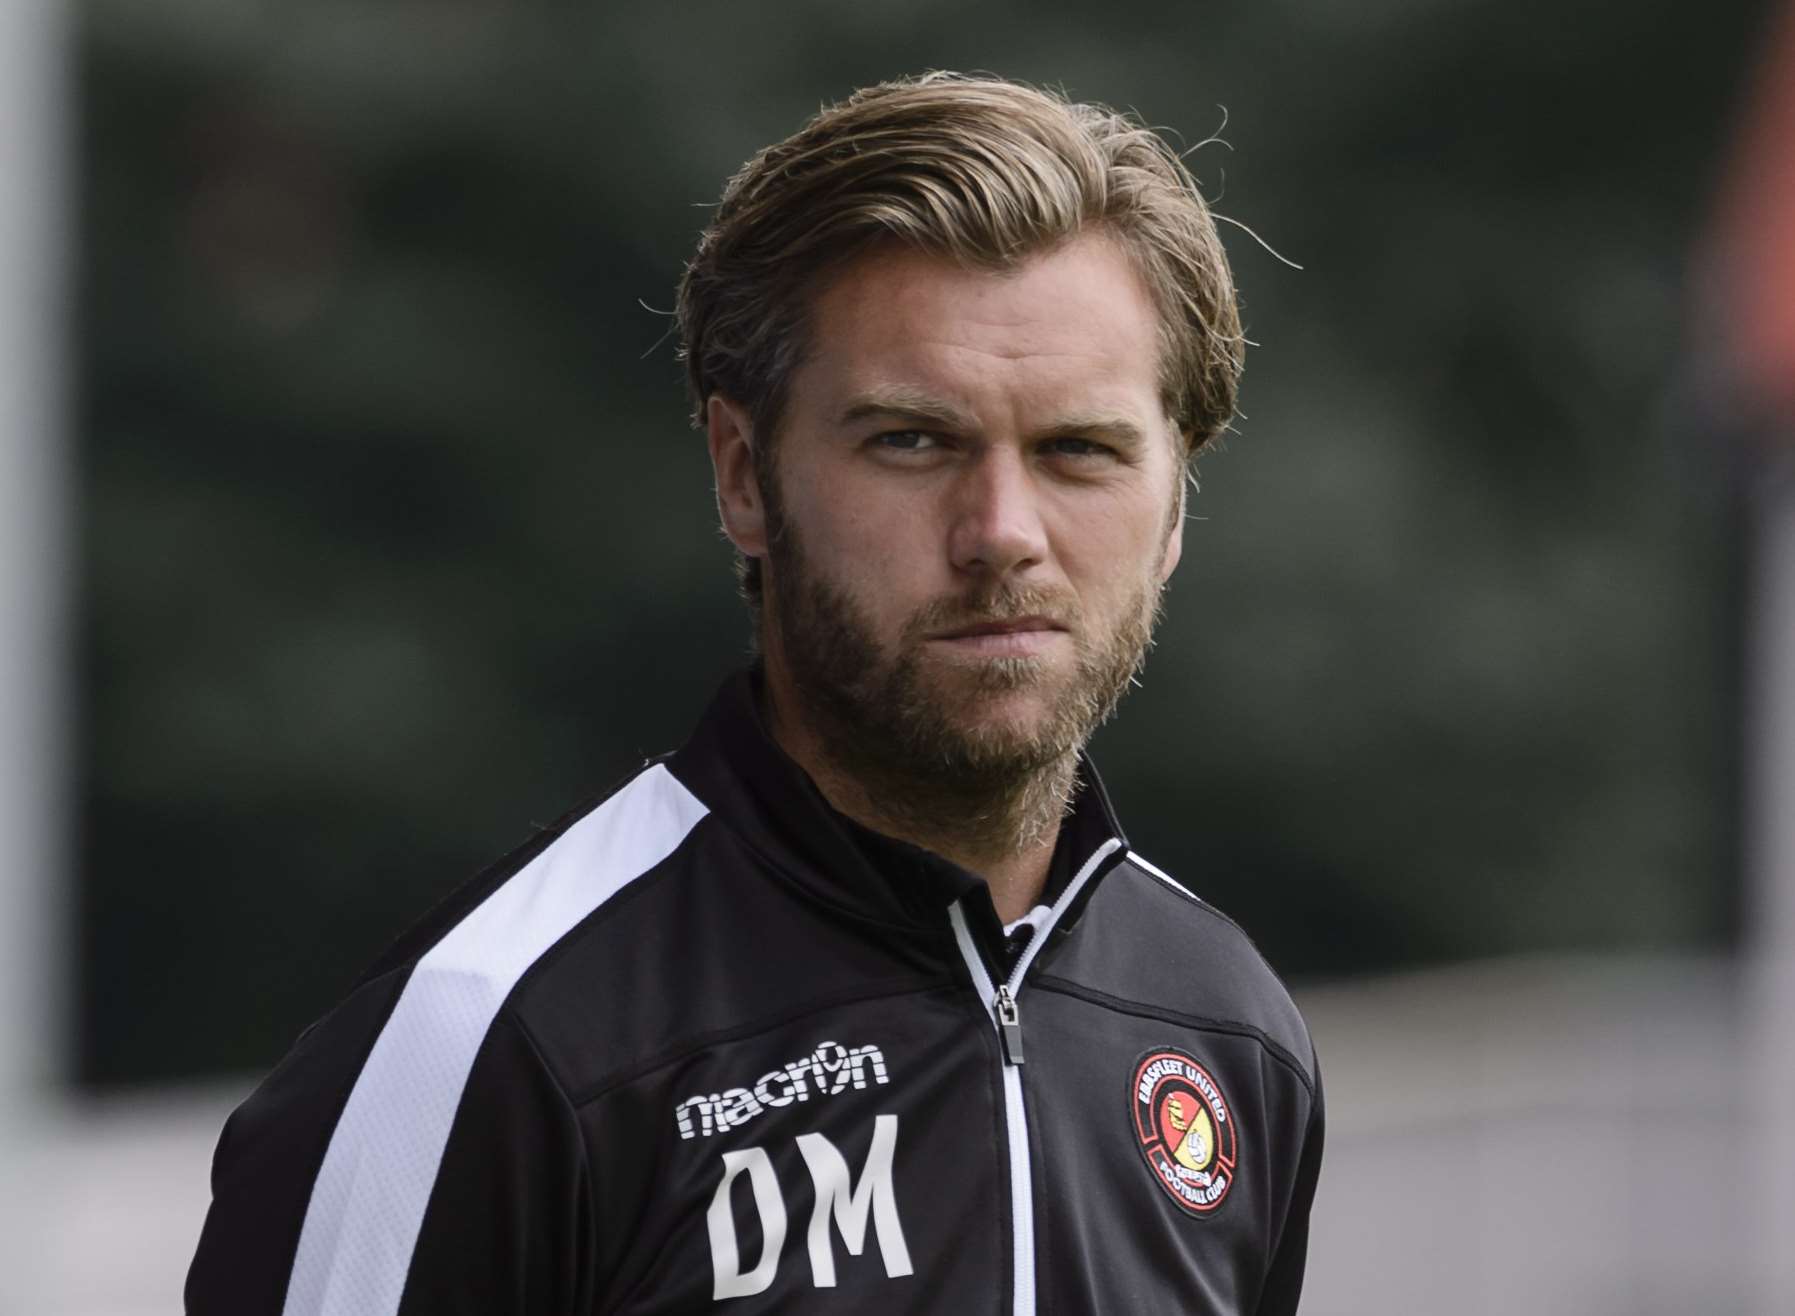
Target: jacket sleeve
{"x":494,"y":1223}
{"x":1284,"y":1279}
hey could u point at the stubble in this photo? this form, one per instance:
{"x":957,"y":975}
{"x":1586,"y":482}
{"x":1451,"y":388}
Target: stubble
{"x":913,"y":732}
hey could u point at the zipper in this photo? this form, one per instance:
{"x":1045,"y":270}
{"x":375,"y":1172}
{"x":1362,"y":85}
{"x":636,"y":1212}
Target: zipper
{"x":1006,"y":1017}
{"x":1009,"y":1024}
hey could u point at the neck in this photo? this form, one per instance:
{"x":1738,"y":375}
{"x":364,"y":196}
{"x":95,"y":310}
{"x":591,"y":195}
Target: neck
{"x":1002,"y":829}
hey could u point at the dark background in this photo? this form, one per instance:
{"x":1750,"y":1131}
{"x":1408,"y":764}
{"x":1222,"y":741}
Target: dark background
{"x":395,"y":542}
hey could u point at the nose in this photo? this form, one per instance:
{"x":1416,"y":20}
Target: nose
{"x":997,"y":523}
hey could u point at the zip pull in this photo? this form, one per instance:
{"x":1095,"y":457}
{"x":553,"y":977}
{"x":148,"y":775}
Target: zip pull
{"x":1009,"y":1025}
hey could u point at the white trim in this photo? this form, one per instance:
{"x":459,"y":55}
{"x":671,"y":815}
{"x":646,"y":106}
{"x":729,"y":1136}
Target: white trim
{"x":367,"y":1204}
{"x":1015,"y":1123}
{"x":975,"y":965}
{"x":1137,"y":859}
{"x":1077,"y":884}
{"x":1022,"y":1190}
{"x":1022,"y":1194}
{"x":1036,"y":918}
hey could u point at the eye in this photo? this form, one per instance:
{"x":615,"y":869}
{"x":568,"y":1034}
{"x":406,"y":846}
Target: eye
{"x":1072,"y":446}
{"x":905,"y":441}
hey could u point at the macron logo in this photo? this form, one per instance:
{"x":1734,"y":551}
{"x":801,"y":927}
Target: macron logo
{"x":829,"y":1069}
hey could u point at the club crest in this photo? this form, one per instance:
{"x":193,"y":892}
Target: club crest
{"x":1185,"y":1130}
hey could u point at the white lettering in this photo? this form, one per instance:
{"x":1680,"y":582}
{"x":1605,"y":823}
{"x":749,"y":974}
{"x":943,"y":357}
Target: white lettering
{"x":728,"y":1281}
{"x":860,"y":1057}
{"x":741,"y":1108}
{"x":830,"y":1069}
{"x":706,"y":1108}
{"x":1197,"y":1189}
{"x":1149,"y":1083}
{"x":831,"y":1058}
{"x":763,"y":1092}
{"x":848,"y":1206}
{"x":799,"y":1070}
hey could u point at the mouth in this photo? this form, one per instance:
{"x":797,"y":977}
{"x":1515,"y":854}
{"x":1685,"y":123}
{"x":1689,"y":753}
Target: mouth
{"x":1011,"y":626}
{"x":1035,"y":637}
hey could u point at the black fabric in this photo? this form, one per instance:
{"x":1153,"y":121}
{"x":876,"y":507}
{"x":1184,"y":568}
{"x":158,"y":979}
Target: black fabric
{"x":268,"y":1153}
{"x":515,"y":1160}
{"x":919,"y":882}
{"x":926,"y":881}
{"x":722,"y":1051}
{"x":1284,"y":1277}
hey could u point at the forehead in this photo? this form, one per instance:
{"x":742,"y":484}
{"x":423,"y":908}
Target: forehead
{"x":1071,"y":327}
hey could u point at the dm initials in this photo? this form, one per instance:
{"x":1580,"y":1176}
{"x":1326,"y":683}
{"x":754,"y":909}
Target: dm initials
{"x":839,"y":1202}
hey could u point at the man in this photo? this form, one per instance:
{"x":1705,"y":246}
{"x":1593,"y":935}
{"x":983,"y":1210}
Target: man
{"x":859,"y":1001}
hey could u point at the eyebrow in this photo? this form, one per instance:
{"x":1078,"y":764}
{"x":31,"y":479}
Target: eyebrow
{"x":907,"y":404}
{"x":914,"y":405}
{"x":1117,"y":430}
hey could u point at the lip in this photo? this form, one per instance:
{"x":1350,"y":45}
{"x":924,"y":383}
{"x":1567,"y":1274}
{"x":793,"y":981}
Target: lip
{"x":1011,"y":626}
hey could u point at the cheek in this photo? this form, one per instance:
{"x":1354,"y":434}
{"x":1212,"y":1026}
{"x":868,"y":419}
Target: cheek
{"x":1111,"y":555}
{"x":872,"y":541}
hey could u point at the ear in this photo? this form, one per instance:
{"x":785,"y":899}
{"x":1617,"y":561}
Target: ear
{"x":731,"y":438}
{"x":1175,"y":539}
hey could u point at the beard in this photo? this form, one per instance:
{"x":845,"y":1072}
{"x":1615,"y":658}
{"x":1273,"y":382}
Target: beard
{"x":917,"y":731}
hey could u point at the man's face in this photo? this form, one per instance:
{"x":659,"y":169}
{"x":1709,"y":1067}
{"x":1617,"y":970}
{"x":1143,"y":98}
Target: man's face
{"x":972,"y":509}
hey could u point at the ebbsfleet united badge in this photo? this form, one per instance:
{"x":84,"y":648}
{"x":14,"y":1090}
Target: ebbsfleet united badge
{"x":1185,"y":1130}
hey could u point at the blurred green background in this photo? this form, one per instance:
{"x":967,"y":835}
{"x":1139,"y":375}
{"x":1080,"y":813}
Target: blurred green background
{"x":395,"y":543}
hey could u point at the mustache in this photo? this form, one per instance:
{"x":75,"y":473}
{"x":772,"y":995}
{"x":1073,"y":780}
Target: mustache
{"x":1005,"y":603}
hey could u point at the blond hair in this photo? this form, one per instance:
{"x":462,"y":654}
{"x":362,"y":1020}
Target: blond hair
{"x":983,"y":171}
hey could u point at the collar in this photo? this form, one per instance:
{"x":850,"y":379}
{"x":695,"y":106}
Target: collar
{"x":734,"y":766}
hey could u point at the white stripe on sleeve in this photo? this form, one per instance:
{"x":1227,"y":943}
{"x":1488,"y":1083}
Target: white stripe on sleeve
{"x":367,"y":1204}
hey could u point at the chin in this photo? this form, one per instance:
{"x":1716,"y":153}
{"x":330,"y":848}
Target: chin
{"x":1001,"y":674}
{"x":1007,"y":725}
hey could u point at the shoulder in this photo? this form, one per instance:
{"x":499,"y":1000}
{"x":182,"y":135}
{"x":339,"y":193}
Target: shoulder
{"x":465,"y":968}
{"x":541,"y":890}
{"x":426,"y":1073}
{"x":446,"y":979}
{"x":1148,"y":940}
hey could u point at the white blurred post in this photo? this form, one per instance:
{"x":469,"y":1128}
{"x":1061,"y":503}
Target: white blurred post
{"x":1770,"y":871}
{"x":33,"y":581}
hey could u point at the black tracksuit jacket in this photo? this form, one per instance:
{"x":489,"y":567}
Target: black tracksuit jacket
{"x":710,"y":1046}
